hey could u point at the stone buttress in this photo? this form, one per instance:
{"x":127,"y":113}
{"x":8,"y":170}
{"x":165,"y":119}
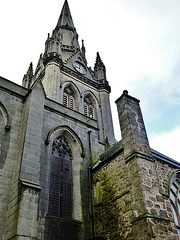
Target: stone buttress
{"x":146,"y":190}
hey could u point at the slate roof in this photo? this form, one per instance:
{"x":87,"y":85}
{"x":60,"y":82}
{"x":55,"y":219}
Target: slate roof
{"x":117,"y":148}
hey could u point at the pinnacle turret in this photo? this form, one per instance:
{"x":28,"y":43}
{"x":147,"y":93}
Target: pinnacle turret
{"x":28,"y":77}
{"x":98,"y":62}
{"x":83,"y":51}
{"x":99,"y":68}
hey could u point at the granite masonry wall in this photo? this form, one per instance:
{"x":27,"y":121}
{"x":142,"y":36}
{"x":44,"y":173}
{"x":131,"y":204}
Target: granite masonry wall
{"x":127,"y":206}
{"x":26,"y":147}
{"x":59,"y":120}
{"x":131,"y":187}
{"x":131,"y":190}
{"x":11,"y":104}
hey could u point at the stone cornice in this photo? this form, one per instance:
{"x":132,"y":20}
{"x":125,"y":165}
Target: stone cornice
{"x":13,"y":88}
{"x":125,"y":94}
{"x":86,"y":80}
{"x":61,"y":219}
{"x":55,"y":57}
{"x":139,"y":155}
{"x":29,"y":184}
{"x":148,"y":215}
{"x":58,"y":108}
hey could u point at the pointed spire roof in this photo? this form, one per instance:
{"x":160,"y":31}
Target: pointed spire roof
{"x":65,"y":19}
{"x":98,"y":62}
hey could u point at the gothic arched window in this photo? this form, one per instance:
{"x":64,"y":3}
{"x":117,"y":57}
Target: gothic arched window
{"x":89,"y":107}
{"x":175,"y":200}
{"x":60,"y":193}
{"x":69,"y":98}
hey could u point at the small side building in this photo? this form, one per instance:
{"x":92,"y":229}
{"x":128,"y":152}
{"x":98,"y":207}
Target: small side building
{"x":136,"y":189}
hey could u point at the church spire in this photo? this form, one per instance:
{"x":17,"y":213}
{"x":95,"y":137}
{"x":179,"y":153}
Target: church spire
{"x":65,"y":19}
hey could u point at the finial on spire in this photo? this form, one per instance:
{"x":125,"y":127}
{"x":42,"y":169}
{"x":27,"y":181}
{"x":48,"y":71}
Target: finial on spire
{"x":65,"y":19}
{"x":83,"y":50}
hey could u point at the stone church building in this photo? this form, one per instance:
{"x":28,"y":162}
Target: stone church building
{"x":63,"y":176}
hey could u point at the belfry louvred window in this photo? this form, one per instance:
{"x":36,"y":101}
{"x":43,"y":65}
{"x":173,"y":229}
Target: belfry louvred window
{"x":60,"y":193}
{"x":69,"y":98}
{"x":175,"y":199}
{"x":89,"y":106}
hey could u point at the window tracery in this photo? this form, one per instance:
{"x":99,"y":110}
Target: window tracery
{"x":69,"y":98}
{"x":89,"y":107}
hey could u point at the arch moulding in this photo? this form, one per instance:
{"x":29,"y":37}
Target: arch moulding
{"x":5,"y":115}
{"x":78,"y":155}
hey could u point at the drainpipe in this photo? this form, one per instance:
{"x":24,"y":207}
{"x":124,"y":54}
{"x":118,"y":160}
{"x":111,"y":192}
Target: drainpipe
{"x":90,"y":183}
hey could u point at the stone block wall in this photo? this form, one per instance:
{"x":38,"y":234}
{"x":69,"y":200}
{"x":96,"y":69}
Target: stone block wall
{"x":59,"y":120}
{"x":25,"y":163}
{"x":124,"y":210}
{"x":132,"y":190}
{"x":11,"y":96}
{"x":113,"y":215}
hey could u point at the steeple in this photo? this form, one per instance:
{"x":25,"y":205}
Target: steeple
{"x":65,"y":19}
{"x":64,"y":39}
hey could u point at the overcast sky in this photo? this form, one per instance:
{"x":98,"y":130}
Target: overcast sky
{"x":138,"y":41}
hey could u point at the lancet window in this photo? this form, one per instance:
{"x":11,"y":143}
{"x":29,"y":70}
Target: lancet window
{"x":69,"y":98}
{"x":60,"y":193}
{"x":89,"y":107}
{"x":175,"y":200}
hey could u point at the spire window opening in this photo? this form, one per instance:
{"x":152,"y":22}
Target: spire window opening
{"x":57,"y":47}
{"x":175,"y":200}
{"x":69,"y":98}
{"x":85,"y":109}
{"x":89,"y":107}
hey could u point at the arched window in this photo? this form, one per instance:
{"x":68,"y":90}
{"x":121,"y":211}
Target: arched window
{"x":89,"y":107}
{"x":175,"y":199}
{"x":69,"y":98}
{"x":60,"y":193}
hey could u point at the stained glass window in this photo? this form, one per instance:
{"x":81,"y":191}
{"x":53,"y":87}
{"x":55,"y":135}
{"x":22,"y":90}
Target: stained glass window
{"x":60,"y":194}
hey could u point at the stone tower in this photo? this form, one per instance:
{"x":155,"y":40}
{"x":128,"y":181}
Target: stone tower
{"x":67,"y":79}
